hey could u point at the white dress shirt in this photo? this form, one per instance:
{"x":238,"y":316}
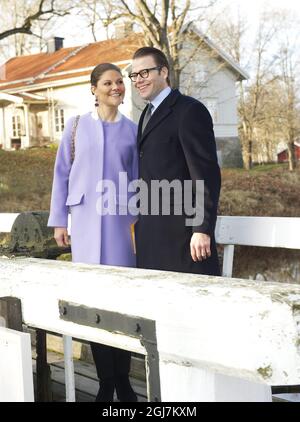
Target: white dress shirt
{"x":159,"y":98}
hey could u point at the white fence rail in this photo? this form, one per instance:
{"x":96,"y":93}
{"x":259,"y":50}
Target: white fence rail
{"x":6,"y":221}
{"x":15,"y":366}
{"x":271,"y":232}
{"x":224,"y":339}
{"x":218,"y":339}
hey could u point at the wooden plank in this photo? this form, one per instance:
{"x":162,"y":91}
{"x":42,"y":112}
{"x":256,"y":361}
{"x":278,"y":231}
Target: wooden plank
{"x":86,"y":380}
{"x":287,"y":397}
{"x":269,"y":232}
{"x":69,"y":369}
{"x":11,"y":313}
{"x":88,"y":370}
{"x":86,"y":373}
{"x":228,"y":260}
{"x":88,"y":387}
{"x":59,"y":392}
{"x":15,"y":366}
{"x":6,"y":221}
{"x":252,"y":231}
{"x":207,"y":314}
{"x":42,"y":368}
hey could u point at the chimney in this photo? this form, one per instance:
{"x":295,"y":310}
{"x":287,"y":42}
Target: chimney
{"x":123,"y":29}
{"x":55,"y":44}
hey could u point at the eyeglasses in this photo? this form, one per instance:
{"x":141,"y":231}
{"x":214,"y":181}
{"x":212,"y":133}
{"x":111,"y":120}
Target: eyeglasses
{"x":144,"y":73}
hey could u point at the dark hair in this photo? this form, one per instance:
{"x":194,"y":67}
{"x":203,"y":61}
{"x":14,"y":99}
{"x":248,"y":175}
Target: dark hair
{"x":100,"y":69}
{"x":158,"y":56}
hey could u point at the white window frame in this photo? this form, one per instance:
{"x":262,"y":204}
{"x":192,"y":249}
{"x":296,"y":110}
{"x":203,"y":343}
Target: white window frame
{"x":17,"y":120}
{"x":59,"y":120}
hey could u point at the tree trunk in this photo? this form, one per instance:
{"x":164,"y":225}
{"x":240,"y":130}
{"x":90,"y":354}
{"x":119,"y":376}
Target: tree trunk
{"x":248,"y":154}
{"x":174,"y":78}
{"x":292,"y":158}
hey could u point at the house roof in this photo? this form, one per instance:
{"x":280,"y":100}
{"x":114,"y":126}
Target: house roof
{"x":28,"y":71}
{"x":6,"y":99}
{"x":20,"y":98}
{"x":284,"y":149}
{"x":241,"y":74}
{"x":38,"y":70}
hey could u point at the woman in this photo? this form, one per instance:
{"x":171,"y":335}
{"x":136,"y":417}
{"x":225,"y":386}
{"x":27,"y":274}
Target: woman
{"x":105,"y":145}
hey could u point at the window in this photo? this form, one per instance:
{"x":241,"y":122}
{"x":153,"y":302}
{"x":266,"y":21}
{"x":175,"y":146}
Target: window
{"x":16,"y":126}
{"x":59,"y":120}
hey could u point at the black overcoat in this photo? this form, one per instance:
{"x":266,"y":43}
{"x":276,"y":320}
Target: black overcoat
{"x":178,"y":143}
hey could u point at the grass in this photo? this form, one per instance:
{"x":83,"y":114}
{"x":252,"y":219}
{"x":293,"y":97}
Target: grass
{"x":25,"y":179}
{"x":266,"y":190}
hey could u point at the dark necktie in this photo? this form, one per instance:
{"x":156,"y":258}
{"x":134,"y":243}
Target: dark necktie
{"x":147,"y":116}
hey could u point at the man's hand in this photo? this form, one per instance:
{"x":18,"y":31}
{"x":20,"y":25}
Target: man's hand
{"x":61,"y":236}
{"x":200,"y":247}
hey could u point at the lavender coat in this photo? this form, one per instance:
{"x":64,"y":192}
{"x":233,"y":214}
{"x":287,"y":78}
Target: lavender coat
{"x":101,"y":151}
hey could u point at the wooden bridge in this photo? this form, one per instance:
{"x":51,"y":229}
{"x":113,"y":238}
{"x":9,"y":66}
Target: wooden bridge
{"x":204,"y":338}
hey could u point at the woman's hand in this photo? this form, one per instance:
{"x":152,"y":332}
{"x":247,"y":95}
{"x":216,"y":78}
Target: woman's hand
{"x":61,"y":236}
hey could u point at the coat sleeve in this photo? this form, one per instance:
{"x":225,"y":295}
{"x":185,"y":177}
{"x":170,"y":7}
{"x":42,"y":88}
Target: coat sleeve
{"x":58,"y":209}
{"x":198,"y":142}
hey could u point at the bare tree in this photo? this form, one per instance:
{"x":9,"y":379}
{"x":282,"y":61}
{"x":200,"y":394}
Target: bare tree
{"x":251,"y":104}
{"x":96,"y":13}
{"x":268,"y":103}
{"x":164,"y":24}
{"x":289,"y":111}
{"x":34,"y":10}
{"x":289,"y":82}
{"x":230,"y":33}
{"x":260,"y":59}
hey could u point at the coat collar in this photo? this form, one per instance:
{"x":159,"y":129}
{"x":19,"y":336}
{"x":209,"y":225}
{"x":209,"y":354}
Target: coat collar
{"x":95,"y":115}
{"x":162,"y":111}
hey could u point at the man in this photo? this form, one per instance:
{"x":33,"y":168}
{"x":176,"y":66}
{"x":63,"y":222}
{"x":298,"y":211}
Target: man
{"x":175,"y":142}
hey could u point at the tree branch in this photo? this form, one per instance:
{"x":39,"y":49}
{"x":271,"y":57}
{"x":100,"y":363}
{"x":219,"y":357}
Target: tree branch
{"x":26,"y":28}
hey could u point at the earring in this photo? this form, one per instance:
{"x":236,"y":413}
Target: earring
{"x":96,"y":102}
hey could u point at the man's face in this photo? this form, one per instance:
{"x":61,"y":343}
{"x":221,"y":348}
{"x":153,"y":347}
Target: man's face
{"x":156,"y":81}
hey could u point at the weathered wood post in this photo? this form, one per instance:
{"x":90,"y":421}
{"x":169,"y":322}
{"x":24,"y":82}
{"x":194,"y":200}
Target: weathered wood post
{"x":31,"y":237}
{"x":11,"y":313}
{"x":217,"y":339}
{"x":11,"y":317}
{"x":15,"y":351}
{"x":43,"y":371}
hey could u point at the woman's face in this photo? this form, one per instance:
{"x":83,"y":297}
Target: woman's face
{"x":110,"y":89}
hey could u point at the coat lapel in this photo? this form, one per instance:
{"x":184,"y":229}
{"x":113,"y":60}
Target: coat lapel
{"x":139,"y":134}
{"x":163,"y":110}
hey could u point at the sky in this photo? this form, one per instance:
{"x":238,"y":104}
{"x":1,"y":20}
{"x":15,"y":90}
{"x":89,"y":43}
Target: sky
{"x":75,"y":32}
{"x":249,"y":8}
{"x":253,"y":7}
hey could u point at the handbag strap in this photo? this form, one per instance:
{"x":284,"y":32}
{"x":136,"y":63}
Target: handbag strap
{"x":73,"y":135}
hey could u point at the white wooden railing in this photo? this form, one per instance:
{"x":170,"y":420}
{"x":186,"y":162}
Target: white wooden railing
{"x":208,"y":314}
{"x":271,"y":232}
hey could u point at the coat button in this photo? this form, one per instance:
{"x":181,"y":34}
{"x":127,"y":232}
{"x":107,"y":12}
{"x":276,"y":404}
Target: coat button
{"x":141,"y":154}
